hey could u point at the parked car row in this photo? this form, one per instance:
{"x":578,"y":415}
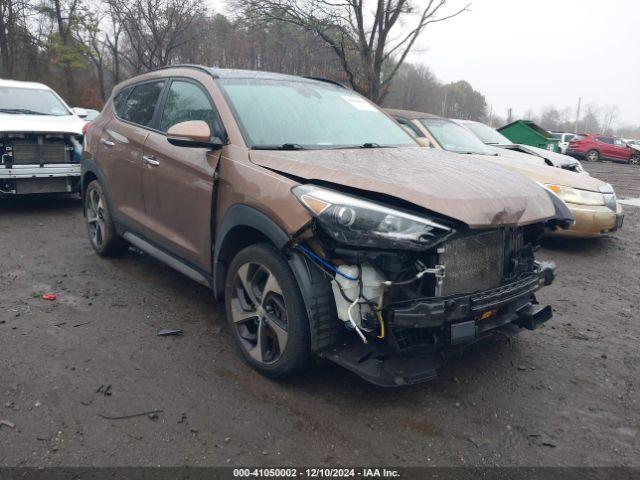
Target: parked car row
{"x":592,"y":201}
{"x":320,"y":221}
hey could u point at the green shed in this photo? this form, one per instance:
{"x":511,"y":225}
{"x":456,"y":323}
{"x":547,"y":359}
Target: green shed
{"x":527,"y":132}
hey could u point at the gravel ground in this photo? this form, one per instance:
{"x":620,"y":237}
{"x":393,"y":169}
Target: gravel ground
{"x":565,"y":395}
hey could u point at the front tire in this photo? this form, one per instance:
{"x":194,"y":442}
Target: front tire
{"x":102,"y":231}
{"x":266,"y":312}
{"x":635,"y":160}
{"x":593,"y":155}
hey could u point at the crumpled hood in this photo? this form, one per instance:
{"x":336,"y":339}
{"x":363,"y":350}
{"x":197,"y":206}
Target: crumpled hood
{"x":476,"y":192}
{"x":10,"y":122}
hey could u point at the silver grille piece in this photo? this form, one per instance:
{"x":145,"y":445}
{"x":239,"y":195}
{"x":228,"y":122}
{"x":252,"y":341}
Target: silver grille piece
{"x":473,"y":263}
{"x":25,"y":153}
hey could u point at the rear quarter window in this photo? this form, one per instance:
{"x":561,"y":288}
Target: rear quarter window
{"x":120,"y":99}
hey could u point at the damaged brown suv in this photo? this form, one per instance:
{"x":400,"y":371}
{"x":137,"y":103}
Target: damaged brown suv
{"x":323,"y":226}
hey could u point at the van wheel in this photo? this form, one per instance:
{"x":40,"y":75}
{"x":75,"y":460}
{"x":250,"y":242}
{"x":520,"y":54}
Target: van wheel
{"x":266,"y":312}
{"x":102,"y":231}
{"x":593,"y":155}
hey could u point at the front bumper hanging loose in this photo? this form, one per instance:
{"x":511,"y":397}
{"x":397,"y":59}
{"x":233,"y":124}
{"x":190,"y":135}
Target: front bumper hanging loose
{"x":456,"y":320}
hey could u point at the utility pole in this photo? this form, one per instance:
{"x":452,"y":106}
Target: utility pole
{"x":578,"y":115}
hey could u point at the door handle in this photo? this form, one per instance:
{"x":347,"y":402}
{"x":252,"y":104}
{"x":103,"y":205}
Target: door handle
{"x":150,"y":161}
{"x":107,"y":143}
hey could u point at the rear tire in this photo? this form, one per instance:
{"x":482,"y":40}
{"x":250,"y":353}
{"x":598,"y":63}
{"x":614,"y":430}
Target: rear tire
{"x":592,"y":156}
{"x":102,"y":231}
{"x":266,"y":312}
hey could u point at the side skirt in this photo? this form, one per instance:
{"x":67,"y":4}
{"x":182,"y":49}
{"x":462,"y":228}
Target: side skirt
{"x":164,"y":257}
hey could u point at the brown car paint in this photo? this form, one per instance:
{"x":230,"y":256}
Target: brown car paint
{"x":433,"y":181}
{"x":171,"y":203}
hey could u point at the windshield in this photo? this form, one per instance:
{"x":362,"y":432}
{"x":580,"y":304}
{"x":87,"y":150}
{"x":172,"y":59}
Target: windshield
{"x":488,"y":135}
{"x":31,"y":101}
{"x":453,"y":137}
{"x":294,"y":115}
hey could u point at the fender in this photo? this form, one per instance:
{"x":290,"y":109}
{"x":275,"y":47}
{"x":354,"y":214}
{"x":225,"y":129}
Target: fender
{"x":315,"y":289}
{"x":241,"y":216}
{"x":563,"y":217}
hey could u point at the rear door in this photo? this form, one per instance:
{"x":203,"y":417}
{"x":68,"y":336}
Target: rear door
{"x":120,"y":150}
{"x":178,"y":182}
{"x":605,"y":145}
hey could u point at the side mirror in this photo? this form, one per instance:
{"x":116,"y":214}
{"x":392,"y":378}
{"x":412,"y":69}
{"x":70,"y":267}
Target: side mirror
{"x":81,"y":112}
{"x":193,"y":134}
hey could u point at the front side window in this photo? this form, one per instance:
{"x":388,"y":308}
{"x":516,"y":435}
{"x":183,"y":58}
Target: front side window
{"x":455,"y":138}
{"x":487,"y":134}
{"x":141,"y":103}
{"x":31,"y":101}
{"x":186,"y":101}
{"x":279,"y":113}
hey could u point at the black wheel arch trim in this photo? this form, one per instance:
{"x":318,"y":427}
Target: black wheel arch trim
{"x":242,"y":216}
{"x":316,"y":290}
{"x":88,"y":166}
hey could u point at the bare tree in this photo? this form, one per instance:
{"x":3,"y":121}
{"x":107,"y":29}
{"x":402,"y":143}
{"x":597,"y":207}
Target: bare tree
{"x":156,"y":29}
{"x":363,"y":40}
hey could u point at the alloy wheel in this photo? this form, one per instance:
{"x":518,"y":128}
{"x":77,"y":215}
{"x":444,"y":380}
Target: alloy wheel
{"x":95,"y":217}
{"x":593,"y":156}
{"x":635,"y":160}
{"x":259,"y":313}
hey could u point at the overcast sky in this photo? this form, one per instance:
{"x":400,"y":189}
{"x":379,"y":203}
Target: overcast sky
{"x":530,"y":54}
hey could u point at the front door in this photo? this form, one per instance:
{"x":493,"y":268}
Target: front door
{"x":178,"y":182}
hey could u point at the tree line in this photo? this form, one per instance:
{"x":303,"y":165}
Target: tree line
{"x":82,"y":48}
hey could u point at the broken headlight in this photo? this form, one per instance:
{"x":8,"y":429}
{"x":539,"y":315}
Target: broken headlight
{"x":358,"y":222}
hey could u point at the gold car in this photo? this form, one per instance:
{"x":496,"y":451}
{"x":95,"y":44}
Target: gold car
{"x":592,"y":202}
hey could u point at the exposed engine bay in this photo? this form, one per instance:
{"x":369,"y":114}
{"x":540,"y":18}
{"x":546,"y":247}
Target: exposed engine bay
{"x":436,"y":284}
{"x":34,"y":162}
{"x":39,"y":148}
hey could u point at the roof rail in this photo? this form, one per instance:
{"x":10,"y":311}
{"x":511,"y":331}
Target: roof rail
{"x":325,"y":80}
{"x":188,"y":65}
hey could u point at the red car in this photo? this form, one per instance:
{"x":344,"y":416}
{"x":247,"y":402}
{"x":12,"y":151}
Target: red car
{"x":601,"y":147}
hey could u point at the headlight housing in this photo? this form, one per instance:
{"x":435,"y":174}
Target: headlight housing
{"x":576,"y":196}
{"x":358,"y":222}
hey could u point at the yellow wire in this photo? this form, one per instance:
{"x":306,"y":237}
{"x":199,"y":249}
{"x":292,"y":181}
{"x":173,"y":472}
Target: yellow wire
{"x":381,"y":320}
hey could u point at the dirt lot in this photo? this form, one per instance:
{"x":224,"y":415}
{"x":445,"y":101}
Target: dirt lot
{"x":564,"y":395}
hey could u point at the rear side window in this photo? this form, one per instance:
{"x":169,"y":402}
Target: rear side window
{"x":120,"y":99}
{"x":187,"y":101}
{"x":141,"y":103}
{"x":608,"y":140}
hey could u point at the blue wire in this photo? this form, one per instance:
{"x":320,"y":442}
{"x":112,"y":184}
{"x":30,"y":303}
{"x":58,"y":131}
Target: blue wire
{"x":324,"y":263}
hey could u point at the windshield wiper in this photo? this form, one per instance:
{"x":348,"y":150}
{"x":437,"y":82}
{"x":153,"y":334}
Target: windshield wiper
{"x":375,"y":145}
{"x":284,"y":146}
{"x":24,"y":111}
